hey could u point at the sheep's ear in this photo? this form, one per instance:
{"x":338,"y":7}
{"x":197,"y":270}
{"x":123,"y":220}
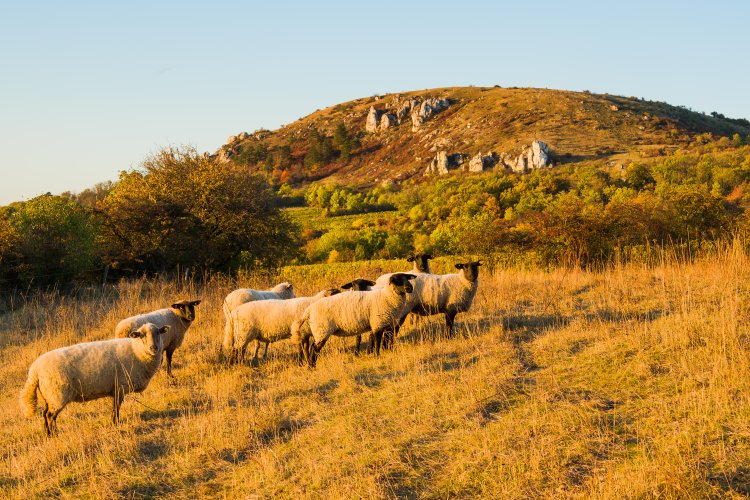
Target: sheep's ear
{"x":409,"y":276}
{"x":478,"y":263}
{"x":427,"y":256}
{"x":164,"y":329}
{"x":369,"y":283}
{"x":195,"y":302}
{"x":410,"y":258}
{"x":459,"y":266}
{"x":177,"y":305}
{"x":347,"y":286}
{"x":135,"y":334}
{"x":333,"y":291}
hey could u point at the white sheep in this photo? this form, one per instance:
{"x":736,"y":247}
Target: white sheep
{"x":361,"y":285}
{"x":448,"y":294}
{"x":93,"y":370}
{"x":267,"y":321}
{"x":179,"y":316}
{"x":351,"y":313}
{"x":282,"y":291}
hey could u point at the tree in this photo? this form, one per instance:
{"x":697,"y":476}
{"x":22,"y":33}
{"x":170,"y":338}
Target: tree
{"x":182,"y":208}
{"x":45,"y":240}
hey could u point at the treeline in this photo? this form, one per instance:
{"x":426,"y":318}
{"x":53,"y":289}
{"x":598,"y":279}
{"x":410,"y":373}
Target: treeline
{"x":576,"y":214}
{"x":180,"y":209}
{"x":298,"y":159}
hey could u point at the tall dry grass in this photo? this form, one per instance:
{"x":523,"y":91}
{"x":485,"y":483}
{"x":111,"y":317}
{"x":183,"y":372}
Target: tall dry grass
{"x":630,"y":382}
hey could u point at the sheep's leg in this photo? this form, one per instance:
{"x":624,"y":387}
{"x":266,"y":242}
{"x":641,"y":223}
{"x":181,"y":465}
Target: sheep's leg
{"x":314,"y":349}
{"x":116,"y":402}
{"x":168,"y":355}
{"x":302,"y":351}
{"x":371,"y":345}
{"x":254,"y":362}
{"x":265,"y":351}
{"x":359,"y":342}
{"x":378,"y":335}
{"x":46,"y":414}
{"x":449,"y":320}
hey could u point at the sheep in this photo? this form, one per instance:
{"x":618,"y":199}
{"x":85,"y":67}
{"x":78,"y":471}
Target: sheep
{"x":449,"y":294}
{"x":361,"y":285}
{"x":266,"y":320}
{"x":351,"y":313}
{"x":179,"y":316}
{"x":282,"y":291}
{"x":93,"y":370}
{"x":421,"y":266}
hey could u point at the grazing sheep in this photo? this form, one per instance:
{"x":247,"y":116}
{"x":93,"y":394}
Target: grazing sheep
{"x":351,"y":313}
{"x":267,"y":321}
{"x":282,"y":291}
{"x":421,"y":266}
{"x":93,"y":370}
{"x":179,"y":316}
{"x":361,"y":285}
{"x":449,"y":294}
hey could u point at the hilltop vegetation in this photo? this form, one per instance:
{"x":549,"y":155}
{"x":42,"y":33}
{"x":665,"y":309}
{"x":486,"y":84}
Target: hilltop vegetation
{"x":576,"y":125}
{"x":628,"y":176}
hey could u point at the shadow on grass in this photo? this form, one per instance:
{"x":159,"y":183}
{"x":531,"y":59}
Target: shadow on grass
{"x":736,"y":481}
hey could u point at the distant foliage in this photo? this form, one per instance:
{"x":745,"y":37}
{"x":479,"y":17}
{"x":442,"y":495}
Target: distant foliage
{"x":45,"y":240}
{"x":573,"y":214}
{"x":182,"y":209}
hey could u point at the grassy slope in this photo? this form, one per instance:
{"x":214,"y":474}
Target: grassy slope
{"x":629,"y":382}
{"x":579,"y":124}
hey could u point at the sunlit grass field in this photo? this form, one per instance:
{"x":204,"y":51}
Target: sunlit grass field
{"x":630,"y":382}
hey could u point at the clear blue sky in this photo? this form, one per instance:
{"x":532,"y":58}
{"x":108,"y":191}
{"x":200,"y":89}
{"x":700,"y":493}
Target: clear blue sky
{"x":90,"y":88}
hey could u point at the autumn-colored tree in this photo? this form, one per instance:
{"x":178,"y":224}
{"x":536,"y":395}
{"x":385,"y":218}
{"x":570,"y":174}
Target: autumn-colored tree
{"x":184,"y":209}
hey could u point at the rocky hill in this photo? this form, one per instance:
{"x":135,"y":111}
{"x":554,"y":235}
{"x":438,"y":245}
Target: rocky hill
{"x":431,"y":132}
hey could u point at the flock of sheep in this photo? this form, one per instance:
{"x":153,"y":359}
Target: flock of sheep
{"x":114,"y":368}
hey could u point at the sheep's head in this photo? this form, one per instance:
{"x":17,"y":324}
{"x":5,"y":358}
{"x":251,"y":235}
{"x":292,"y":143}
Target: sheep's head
{"x":470,"y":270}
{"x":186,"y":309}
{"x":401,"y":283}
{"x":285,"y":290}
{"x":329,"y":292}
{"x":421,"y":261}
{"x":358,"y":285}
{"x":151,"y":337}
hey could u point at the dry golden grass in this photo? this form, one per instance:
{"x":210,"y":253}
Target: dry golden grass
{"x":630,"y":382}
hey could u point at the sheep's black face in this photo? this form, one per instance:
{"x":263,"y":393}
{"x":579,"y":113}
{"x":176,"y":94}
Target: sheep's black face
{"x":421,"y":262}
{"x":400,"y":282}
{"x":186,"y":309}
{"x":331,"y":291}
{"x":358,"y":285}
{"x":470,"y":270}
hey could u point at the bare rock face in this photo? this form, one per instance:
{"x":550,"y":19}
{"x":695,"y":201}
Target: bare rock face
{"x":427,"y":109}
{"x":231,"y":139}
{"x":531,"y":158}
{"x":243,"y":135}
{"x":373,"y":120}
{"x":405,"y":109}
{"x":480,"y":162}
{"x":444,"y":163}
{"x":387,"y":121}
{"x":224,"y":155}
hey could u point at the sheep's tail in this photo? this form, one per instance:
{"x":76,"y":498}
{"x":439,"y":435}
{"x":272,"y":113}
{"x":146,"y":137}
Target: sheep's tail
{"x":300,"y":327}
{"x":28,"y":397}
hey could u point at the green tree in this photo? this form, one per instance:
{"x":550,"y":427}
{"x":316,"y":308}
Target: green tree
{"x":182,"y":208}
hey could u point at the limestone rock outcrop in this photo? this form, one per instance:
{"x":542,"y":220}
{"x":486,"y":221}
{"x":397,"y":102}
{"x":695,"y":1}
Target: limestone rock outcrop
{"x":444,"y":163}
{"x":427,"y":109}
{"x":480,"y":162}
{"x":387,"y":121}
{"x":373,"y":119}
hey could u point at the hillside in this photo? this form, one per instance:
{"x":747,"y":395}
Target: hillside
{"x":577,"y":126}
{"x":628,"y":383}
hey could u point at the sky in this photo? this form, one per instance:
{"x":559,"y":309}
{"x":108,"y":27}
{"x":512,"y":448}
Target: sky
{"x":88,"y":89}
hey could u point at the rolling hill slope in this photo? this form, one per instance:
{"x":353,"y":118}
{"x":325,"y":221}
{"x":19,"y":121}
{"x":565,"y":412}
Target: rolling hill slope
{"x":576,"y":125}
